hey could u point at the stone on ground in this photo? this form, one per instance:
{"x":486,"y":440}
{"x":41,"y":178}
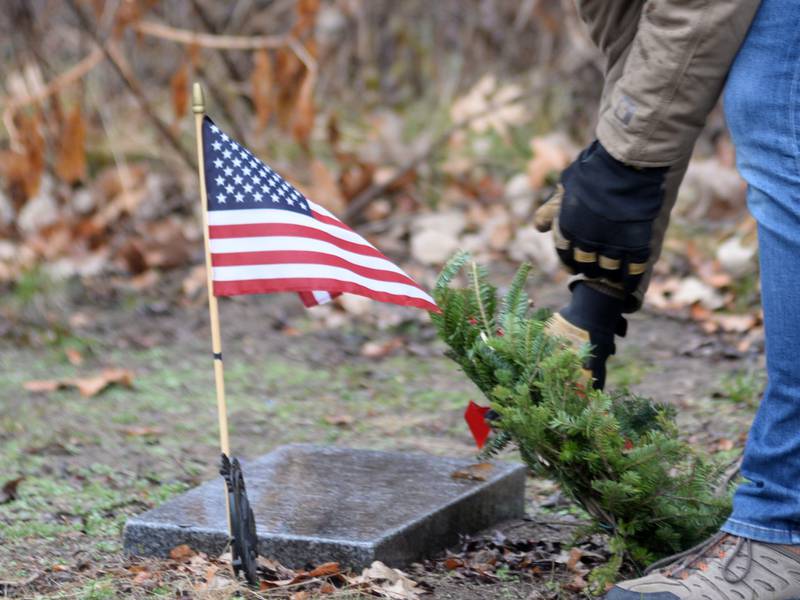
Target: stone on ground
{"x":315,"y":504}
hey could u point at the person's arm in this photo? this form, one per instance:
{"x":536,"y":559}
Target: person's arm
{"x":672,"y":77}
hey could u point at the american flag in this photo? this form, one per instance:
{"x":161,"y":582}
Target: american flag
{"x":266,"y":236}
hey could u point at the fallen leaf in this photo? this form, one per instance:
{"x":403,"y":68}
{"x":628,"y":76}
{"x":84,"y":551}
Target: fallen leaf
{"x":339,"y":420}
{"x":181,"y":552}
{"x":577,"y":584}
{"x":303,"y":121}
{"x":87,"y":386}
{"x":327,"y":588}
{"x":195,"y":281}
{"x":141,"y":577}
{"x":735,"y":323}
{"x":381,"y":349}
{"x":57,"y":568}
{"x":575,"y":555}
{"x":325,"y":570}
{"x":476,"y":472}
{"x":71,"y":161}
{"x":261,"y":79}
{"x":141,"y":431}
{"x":91,"y":386}
{"x":551,"y":154}
{"x":42,"y":386}
{"x":9,"y":492}
{"x":179,"y":85}
{"x":74,"y":356}
{"x":452,"y":563}
{"x":387,"y":582}
{"x":325,"y":188}
{"x":725,"y":445}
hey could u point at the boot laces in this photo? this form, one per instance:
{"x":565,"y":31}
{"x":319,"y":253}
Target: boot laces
{"x":689,"y":559}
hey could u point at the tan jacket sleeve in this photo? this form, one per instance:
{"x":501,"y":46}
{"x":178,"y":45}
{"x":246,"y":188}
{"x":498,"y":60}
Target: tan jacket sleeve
{"x":675,"y":65}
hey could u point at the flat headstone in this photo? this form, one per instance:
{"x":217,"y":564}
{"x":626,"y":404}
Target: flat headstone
{"x":315,"y":504}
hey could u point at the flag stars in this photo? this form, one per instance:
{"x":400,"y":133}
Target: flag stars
{"x":217,"y":145}
{"x":229,"y":189}
{"x":238,"y":180}
{"x":228,"y":172}
{"x":282,"y":192}
{"x":240,"y":197}
{"x":275,"y":198}
{"x":248,"y":188}
{"x":221,"y":198}
{"x":214,"y":128}
{"x":237,"y":163}
{"x":218,"y":163}
{"x":290,"y":201}
{"x":244,"y":155}
{"x":258,"y":196}
{"x":226,"y":153}
{"x":220,"y":180}
{"x":247,"y":171}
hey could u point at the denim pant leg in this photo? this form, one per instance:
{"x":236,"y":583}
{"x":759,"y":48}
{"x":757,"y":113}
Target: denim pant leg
{"x":762,"y":106}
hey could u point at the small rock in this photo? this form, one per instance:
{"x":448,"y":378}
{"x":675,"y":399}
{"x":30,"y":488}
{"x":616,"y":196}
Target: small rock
{"x":736,"y":257}
{"x":83,"y":201}
{"x":41,"y":210}
{"x":433,"y":247}
{"x":519,"y":195}
{"x":533,"y":245}
{"x":450,"y":222}
{"x":693,"y":291}
{"x":355,"y":305}
{"x":497,"y":231}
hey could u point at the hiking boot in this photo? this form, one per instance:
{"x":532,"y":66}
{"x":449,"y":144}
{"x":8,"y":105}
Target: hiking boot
{"x":725,"y":567}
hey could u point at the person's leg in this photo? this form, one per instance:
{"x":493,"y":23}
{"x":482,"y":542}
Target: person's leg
{"x":762,"y":105}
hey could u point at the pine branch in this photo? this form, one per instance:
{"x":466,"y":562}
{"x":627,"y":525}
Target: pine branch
{"x":617,"y":455}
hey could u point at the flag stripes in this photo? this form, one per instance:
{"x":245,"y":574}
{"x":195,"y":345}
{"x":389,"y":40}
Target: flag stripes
{"x":265,"y":236}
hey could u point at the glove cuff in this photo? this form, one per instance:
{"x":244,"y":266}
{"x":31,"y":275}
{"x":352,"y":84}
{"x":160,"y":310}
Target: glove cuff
{"x":596,"y":312}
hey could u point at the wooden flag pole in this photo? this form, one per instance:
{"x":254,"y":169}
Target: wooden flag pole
{"x":241,"y":526}
{"x":198,"y":107}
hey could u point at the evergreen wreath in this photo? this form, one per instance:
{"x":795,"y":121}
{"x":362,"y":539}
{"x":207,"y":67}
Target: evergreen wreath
{"x":617,"y":455}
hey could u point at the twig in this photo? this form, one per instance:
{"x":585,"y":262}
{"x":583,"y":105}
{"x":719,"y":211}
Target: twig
{"x":234,"y":73}
{"x":65,"y":79}
{"x":731,"y":472}
{"x":117,"y":61}
{"x":363,"y":200}
{"x":208,"y":40}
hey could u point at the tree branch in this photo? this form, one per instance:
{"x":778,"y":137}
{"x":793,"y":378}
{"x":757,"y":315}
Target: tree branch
{"x":208,"y":40}
{"x":65,"y":79}
{"x":118,"y":63}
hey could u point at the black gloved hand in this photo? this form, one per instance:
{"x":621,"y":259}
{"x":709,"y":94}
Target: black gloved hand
{"x":604,"y":211}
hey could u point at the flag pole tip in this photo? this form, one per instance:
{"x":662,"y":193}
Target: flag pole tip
{"x":198,"y":102}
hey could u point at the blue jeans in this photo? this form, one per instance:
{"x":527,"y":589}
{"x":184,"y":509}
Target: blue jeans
{"x":762,"y":107}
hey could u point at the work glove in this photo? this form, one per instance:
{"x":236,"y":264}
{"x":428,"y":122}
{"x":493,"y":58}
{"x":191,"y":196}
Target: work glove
{"x":602,"y":214}
{"x":591,"y":318}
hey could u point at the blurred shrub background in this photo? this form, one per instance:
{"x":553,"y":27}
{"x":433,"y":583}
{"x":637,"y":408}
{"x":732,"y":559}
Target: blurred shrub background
{"x":428,"y":125}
